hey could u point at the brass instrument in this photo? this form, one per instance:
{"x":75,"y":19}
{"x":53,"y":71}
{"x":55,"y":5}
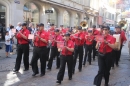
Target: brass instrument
{"x":122,"y":23}
{"x":84,"y":24}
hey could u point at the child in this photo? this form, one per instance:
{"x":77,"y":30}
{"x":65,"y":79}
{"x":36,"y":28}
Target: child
{"x":7,"y":44}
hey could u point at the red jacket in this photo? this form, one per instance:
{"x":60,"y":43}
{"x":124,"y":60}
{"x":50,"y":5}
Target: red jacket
{"x":37,"y":42}
{"x":89,"y":39}
{"x":57,"y":38}
{"x":69,"y":44}
{"x":20,"y":39}
{"x":104,"y":48}
{"x":78,"y":39}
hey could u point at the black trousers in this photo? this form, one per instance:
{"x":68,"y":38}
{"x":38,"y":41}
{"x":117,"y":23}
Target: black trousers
{"x":39,"y":52}
{"x":94,"y":49}
{"x":104,"y":64}
{"x":54,"y":53}
{"x":113,"y":57}
{"x":88,"y":51}
{"x":118,"y":55}
{"x":48,"y":52}
{"x":64,"y":60}
{"x":22,"y":50}
{"x":78,"y":51}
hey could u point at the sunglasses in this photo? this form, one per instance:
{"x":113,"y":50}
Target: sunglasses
{"x":105,"y":29}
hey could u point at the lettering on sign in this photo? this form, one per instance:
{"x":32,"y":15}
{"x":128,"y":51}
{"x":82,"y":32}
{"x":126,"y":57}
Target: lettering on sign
{"x":17,"y":1}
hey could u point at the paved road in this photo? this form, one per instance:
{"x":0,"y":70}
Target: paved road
{"x":120,"y":76}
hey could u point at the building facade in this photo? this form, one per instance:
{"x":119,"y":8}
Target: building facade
{"x":65,"y":12}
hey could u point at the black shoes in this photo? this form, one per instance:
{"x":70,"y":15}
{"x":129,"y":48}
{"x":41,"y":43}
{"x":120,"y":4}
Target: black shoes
{"x":14,"y":70}
{"x":80,"y":70}
{"x":42,"y":75}
{"x":49,"y":69}
{"x":57,"y":67}
{"x":70,"y":78}
{"x":34,"y":74}
{"x":106,"y":85}
{"x":25,"y":69}
{"x":59,"y":82}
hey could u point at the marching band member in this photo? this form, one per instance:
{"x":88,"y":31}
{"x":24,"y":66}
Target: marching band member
{"x":50,"y":33}
{"x":95,"y":32}
{"x":104,"y":57}
{"x":62,"y":30}
{"x":123,"y":40}
{"x":66,"y":57}
{"x":79,"y":42}
{"x":54,"y":50}
{"x":23,"y":48}
{"x":88,"y":47}
{"x":40,"y":47}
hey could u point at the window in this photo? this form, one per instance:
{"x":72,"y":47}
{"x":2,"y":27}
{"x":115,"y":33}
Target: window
{"x":66,"y":19}
{"x":31,"y":13}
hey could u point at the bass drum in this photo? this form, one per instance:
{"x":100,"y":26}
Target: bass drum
{"x":118,"y":41}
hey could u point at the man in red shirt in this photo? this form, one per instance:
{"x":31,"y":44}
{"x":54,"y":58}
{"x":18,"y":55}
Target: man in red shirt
{"x":54,"y":50}
{"x":79,"y":42}
{"x":66,"y":57}
{"x":88,"y":46}
{"x":50,"y":33}
{"x":95,"y":32}
{"x":23,"y":48}
{"x":105,"y":57}
{"x":40,"y":48}
{"x":123,"y":40}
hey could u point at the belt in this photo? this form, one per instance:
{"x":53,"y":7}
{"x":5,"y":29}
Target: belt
{"x":40,"y":46}
{"x":105,"y":53}
{"x":66,"y":55}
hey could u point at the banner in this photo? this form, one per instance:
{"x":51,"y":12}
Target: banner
{"x":60,"y":44}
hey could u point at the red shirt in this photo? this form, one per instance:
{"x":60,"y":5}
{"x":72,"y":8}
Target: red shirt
{"x":89,"y":39}
{"x":96,"y":32}
{"x":57,"y":38}
{"x":37,"y":42}
{"x":104,"y":48}
{"x":123,"y":37}
{"x":79,"y":39}
{"x":63,"y":31}
{"x":20,"y":39}
{"x":51,"y":32}
{"x":69,"y":44}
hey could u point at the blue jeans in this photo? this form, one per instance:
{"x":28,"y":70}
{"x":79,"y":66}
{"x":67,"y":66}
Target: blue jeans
{"x":11,"y":45}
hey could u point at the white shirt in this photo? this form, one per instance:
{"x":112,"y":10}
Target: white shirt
{"x":7,"y":37}
{"x":11,"y":34}
{"x":18,"y":28}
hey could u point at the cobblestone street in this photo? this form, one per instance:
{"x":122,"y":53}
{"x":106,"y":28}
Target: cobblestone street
{"x":120,"y":76}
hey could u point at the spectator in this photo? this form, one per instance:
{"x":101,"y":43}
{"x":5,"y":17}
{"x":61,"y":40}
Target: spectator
{"x":7,"y":44}
{"x":18,"y":28}
{"x":11,"y":34}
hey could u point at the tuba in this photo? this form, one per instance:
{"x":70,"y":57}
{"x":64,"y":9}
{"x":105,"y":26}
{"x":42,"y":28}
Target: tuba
{"x":122,"y":23}
{"x":84,"y":24}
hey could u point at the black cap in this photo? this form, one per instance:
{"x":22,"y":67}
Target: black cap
{"x":107,"y":27}
{"x":61,"y":25}
{"x":117,"y":26}
{"x":56,"y":30}
{"x":89,"y":31}
{"x":94,"y":26}
{"x":67,"y":34}
{"x":51,"y":24}
{"x":24,"y":24}
{"x":41,"y":24}
{"x":79,"y":28}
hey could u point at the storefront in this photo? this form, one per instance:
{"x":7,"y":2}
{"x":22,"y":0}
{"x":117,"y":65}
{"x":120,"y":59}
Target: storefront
{"x":31,"y":13}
